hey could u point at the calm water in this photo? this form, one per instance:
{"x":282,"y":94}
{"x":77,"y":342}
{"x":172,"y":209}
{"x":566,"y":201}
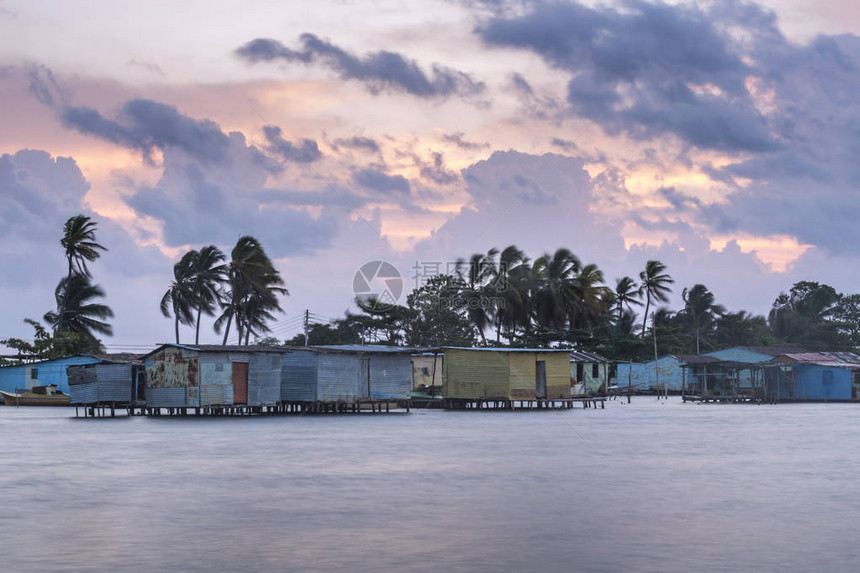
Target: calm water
{"x":647,"y":486}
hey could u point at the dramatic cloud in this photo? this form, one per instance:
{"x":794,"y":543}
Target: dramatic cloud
{"x":145,"y":125}
{"x":377,"y":180}
{"x":459,"y":139}
{"x":380,"y":71}
{"x":307,"y":151}
{"x":358,"y":142}
{"x":650,"y":69}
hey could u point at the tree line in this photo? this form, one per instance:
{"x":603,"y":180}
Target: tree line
{"x":504,"y":298}
{"x":497,"y":298}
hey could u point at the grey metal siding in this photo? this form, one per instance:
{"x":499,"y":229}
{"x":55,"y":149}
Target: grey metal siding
{"x":264,"y":379}
{"x":167,"y":398}
{"x":338,"y":377}
{"x":84,"y":393}
{"x":114,"y":382}
{"x":216,"y":395}
{"x":390,"y":376}
{"x":299,"y":376}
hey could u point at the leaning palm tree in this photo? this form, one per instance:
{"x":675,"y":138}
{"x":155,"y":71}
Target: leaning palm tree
{"x":77,"y":313}
{"x":253,"y":287}
{"x":654,"y":285}
{"x":479,"y":275}
{"x":179,"y":297}
{"x":700,"y":310}
{"x":79,"y":243}
{"x":207,"y":274}
{"x":554,"y":285}
{"x":510,"y":291}
{"x":627,"y":293}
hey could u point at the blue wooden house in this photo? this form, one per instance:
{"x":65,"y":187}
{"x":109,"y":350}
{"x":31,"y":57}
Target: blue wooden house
{"x":47,"y":372}
{"x":813,"y":376}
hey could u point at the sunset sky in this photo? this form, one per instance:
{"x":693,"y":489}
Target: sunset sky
{"x":722,"y":138}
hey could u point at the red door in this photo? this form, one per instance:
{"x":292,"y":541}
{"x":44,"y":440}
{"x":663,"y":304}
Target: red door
{"x":240,"y":382}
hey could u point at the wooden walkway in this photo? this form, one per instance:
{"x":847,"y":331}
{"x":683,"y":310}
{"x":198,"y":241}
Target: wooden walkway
{"x":536,"y":404}
{"x":284,"y":408}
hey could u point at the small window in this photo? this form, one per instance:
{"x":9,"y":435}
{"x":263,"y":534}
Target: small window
{"x":595,"y":371}
{"x":34,"y":374}
{"x":580,"y":373}
{"x":219,"y":367}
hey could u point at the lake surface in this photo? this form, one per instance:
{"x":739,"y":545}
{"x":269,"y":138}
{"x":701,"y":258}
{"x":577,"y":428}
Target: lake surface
{"x":648,"y":486}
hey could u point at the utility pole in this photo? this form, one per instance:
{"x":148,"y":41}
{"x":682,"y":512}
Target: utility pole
{"x":307,"y":319}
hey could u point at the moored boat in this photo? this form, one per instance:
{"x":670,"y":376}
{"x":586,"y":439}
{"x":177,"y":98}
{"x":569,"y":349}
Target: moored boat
{"x":48,"y":395}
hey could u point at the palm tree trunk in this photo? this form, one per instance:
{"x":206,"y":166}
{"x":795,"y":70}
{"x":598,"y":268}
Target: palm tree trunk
{"x":197,"y":334}
{"x":176,"y":327}
{"x":645,"y":320}
{"x":227,"y":329}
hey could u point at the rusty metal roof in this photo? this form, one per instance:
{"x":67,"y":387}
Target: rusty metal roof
{"x":833,"y":359}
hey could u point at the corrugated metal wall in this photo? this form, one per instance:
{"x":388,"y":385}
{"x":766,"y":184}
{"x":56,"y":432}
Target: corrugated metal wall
{"x":299,"y":376}
{"x":216,"y":385}
{"x":522,"y":373}
{"x":168,"y":397}
{"x":339,"y":377}
{"x":557,"y":373}
{"x":422,"y":371}
{"x":475,"y":374}
{"x":48,"y":372}
{"x":264,"y":379}
{"x":100,"y":383}
{"x":643,"y":375}
{"x":172,"y":368}
{"x":84,"y":393}
{"x":390,"y":376}
{"x":216,"y":394}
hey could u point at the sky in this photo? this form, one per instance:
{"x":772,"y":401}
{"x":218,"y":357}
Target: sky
{"x":720,"y":138}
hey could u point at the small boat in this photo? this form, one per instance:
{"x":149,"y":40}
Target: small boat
{"x":48,"y":395}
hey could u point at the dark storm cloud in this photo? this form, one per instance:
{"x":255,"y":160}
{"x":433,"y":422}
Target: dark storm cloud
{"x":305,"y":151}
{"x":358,"y":142}
{"x":145,"y":125}
{"x":648,"y":70}
{"x":382,"y":70}
{"x":376,"y":180}
{"x":435,"y":170}
{"x":459,"y":139}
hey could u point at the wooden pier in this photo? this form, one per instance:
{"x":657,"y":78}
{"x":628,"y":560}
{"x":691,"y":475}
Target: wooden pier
{"x":723,"y":399}
{"x":111,"y":410}
{"x":534,"y":404}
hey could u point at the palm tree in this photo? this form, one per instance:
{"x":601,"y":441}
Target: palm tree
{"x":253,"y":290}
{"x":77,"y":314}
{"x":481,"y":275}
{"x":207,"y":271}
{"x":654,"y":285}
{"x":179,"y":297}
{"x":700,"y":309}
{"x":626,"y":293}
{"x":588,"y":298}
{"x":554,"y":284}
{"x":511,"y":291}
{"x":79,"y":243}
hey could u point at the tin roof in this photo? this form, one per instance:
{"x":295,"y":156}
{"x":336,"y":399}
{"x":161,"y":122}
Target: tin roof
{"x":773,"y":350}
{"x":219,"y":348}
{"x":833,"y":359}
{"x":360,"y":349}
{"x":487,"y":349}
{"x":581,"y":356}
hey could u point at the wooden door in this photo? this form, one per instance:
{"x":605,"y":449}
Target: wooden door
{"x":240,"y":382}
{"x":540,"y":379}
